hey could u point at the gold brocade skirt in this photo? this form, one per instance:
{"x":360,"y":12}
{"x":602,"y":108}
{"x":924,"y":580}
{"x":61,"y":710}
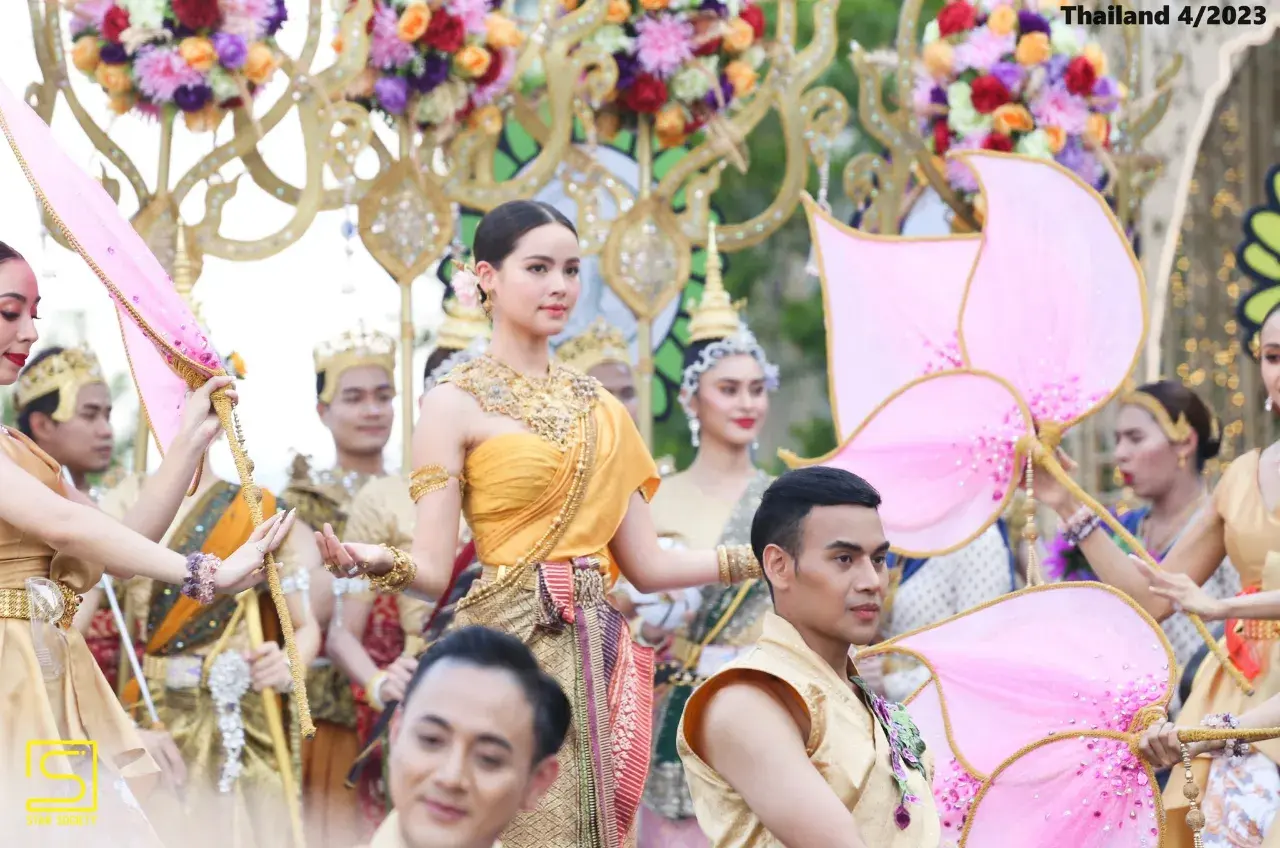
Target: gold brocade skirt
{"x":254,"y":813}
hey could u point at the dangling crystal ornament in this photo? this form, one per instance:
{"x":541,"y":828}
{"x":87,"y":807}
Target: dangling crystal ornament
{"x":824,"y":186}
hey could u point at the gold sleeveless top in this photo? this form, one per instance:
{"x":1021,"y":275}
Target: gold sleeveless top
{"x":846,"y":745}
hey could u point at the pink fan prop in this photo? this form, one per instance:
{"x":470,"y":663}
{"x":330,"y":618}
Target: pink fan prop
{"x":892,"y":313}
{"x":959,"y":458}
{"x":1033,"y":738}
{"x":1056,"y":304}
{"x":164,"y":342}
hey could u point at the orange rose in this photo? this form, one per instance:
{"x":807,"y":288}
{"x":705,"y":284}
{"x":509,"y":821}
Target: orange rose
{"x":502,"y":32}
{"x":1002,"y":20}
{"x":669,"y":121}
{"x":473,"y":60}
{"x":1097,"y":130}
{"x":1011,"y":118}
{"x":1033,"y":48}
{"x":204,"y":120}
{"x":1057,"y":138}
{"x":85,"y":54}
{"x":260,"y":63}
{"x":654,"y":5}
{"x":114,"y":78}
{"x":413,"y":22}
{"x":1096,"y":57}
{"x":937,"y":58}
{"x":488,"y":119}
{"x":738,"y":36}
{"x":120,"y":103}
{"x":742,"y":77}
{"x":198,"y":52}
{"x":619,"y":12}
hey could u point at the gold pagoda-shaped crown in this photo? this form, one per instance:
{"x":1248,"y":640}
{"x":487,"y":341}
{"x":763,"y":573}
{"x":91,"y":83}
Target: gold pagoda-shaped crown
{"x":63,"y":372}
{"x":715,"y":316}
{"x":599,"y":343}
{"x":462,"y":325}
{"x":351,"y":350}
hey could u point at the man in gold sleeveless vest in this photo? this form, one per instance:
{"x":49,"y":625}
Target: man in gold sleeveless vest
{"x":786,"y":745}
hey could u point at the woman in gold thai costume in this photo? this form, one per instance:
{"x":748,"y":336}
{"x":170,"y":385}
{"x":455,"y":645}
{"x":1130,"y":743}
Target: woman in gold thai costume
{"x":1241,"y":522}
{"x":554,"y":481}
{"x":724,"y":392}
{"x":54,"y":545}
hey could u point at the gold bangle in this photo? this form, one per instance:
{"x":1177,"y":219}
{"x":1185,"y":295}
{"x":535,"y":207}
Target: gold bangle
{"x":399,"y":577}
{"x":430,"y":478}
{"x":371,"y":696}
{"x":737,"y":564}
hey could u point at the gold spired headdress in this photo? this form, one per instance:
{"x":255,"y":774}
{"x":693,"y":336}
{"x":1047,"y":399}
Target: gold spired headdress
{"x":462,"y":326}
{"x":1175,"y":431}
{"x":599,"y":343}
{"x":352,"y":350}
{"x":715,"y":316}
{"x":66,"y":373}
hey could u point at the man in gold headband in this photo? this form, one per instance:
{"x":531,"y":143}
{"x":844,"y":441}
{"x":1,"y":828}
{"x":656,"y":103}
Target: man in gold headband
{"x":210,"y":669}
{"x":355,"y":400}
{"x":374,"y":638}
{"x":601,"y":351}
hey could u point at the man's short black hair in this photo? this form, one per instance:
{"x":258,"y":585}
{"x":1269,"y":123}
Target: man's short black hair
{"x":482,"y":647}
{"x":46,"y":403}
{"x":789,"y":500}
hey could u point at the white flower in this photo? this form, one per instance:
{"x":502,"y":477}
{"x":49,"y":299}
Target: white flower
{"x":223,"y":84}
{"x":612,"y":39}
{"x":961,"y":116}
{"x":694,"y":82}
{"x":931,"y":32}
{"x":442,"y":103}
{"x":755,"y":56}
{"x":136,"y":37}
{"x":1064,"y":38}
{"x":1035,"y":144}
{"x":145,"y":14}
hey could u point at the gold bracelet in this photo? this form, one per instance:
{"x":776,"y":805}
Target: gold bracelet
{"x":428,"y":479}
{"x":737,"y":564}
{"x":399,"y":577}
{"x":371,"y":696}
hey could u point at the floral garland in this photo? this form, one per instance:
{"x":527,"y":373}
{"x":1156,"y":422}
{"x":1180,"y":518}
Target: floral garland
{"x":199,"y":57}
{"x":1012,"y":75}
{"x":438,"y":63}
{"x":683,"y":62}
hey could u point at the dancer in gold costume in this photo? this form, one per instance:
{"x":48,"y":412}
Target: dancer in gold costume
{"x":355,"y":394}
{"x":375,"y":638}
{"x":554,"y":480}
{"x":54,"y":545}
{"x":725,"y":395}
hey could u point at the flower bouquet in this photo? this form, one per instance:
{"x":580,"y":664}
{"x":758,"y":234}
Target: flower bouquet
{"x":199,"y":57}
{"x":1011,"y":75}
{"x":438,"y":63}
{"x":680,"y":62}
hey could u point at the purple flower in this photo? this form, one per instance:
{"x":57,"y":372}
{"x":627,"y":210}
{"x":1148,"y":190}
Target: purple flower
{"x":1009,"y":73}
{"x":938,"y":96}
{"x":715,"y":6}
{"x":435,"y":71}
{"x":1081,"y":161}
{"x":1106,"y":97}
{"x":232,"y":50}
{"x":113,"y":54}
{"x":392,"y":93}
{"x":191,"y":98}
{"x":628,"y":68}
{"x":901,"y":817}
{"x":1031,"y":22}
{"x":1056,"y":67}
{"x":726,"y":95}
{"x":276,"y":19}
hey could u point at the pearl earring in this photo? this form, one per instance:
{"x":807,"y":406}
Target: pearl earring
{"x":695,"y":428}
{"x":1267,"y":404}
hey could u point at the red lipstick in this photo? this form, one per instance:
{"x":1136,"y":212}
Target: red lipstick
{"x":18,"y":359}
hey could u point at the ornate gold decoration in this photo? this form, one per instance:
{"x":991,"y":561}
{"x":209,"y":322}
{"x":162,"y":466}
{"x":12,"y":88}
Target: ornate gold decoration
{"x":65,"y":373}
{"x":737,"y":564}
{"x":428,"y":479}
{"x":351,"y":350}
{"x":399,"y":577}
{"x":1176,"y":431}
{"x":462,"y":325}
{"x":601,"y":342}
{"x":549,"y":406}
{"x":715,"y":316}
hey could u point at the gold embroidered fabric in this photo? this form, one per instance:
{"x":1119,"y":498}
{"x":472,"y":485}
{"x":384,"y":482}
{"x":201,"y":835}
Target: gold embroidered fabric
{"x":549,"y":407}
{"x":430,"y":478}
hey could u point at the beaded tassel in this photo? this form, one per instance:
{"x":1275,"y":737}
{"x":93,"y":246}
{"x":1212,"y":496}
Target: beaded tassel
{"x":1029,"y":531}
{"x":1195,"y":817}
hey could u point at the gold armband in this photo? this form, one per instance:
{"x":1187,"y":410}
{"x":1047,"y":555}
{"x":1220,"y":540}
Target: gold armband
{"x":399,"y":577}
{"x":737,"y":564}
{"x":428,"y":479}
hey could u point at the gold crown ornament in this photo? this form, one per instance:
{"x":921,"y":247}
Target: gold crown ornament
{"x":66,"y":373}
{"x":463,"y":324}
{"x":353,"y":349}
{"x":715,"y":316}
{"x":601,"y":342}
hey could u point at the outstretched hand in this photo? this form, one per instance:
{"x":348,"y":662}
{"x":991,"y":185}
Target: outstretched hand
{"x":1185,"y":593}
{"x":349,"y":559}
{"x":243,"y":569}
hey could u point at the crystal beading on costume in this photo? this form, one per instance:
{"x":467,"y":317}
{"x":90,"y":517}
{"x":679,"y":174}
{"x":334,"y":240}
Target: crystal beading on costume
{"x":351,"y":350}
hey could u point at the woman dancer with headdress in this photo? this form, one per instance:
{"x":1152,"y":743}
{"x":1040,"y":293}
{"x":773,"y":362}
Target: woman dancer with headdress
{"x":1240,"y":522}
{"x":724,"y":392}
{"x":555,"y":481}
{"x":54,"y":546}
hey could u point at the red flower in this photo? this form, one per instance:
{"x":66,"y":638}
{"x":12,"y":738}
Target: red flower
{"x":1081,"y":76}
{"x":998,"y":142}
{"x":989,"y":94}
{"x":495,"y":68}
{"x":445,"y":33}
{"x":754,"y":16}
{"x":956,"y":16}
{"x":115,"y":22}
{"x":941,"y":137}
{"x":708,"y":48}
{"x":646,"y":95}
{"x":197,"y":14}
